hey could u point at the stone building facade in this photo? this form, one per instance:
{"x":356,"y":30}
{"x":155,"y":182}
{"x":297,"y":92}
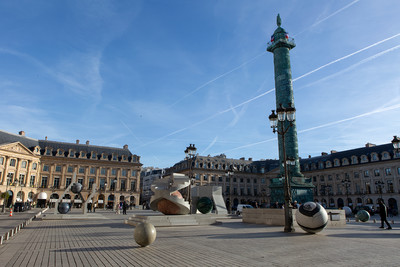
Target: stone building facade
{"x":242,"y":181}
{"x":147,"y":176}
{"x":356,"y":177}
{"x":38,"y":171}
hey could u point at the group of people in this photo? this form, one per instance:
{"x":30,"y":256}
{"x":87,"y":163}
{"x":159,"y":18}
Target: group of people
{"x":123,"y":205}
{"x":91,"y":207}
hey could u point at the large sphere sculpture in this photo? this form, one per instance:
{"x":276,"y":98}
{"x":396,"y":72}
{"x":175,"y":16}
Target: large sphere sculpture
{"x":144,"y":234}
{"x":76,"y":188}
{"x":63,"y":208}
{"x":363,"y":215}
{"x":312,"y":217}
{"x":205,"y":205}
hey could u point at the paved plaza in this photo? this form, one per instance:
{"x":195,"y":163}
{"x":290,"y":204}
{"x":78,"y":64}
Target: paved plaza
{"x":109,"y":242}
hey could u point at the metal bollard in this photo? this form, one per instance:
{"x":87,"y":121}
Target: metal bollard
{"x":1,"y":240}
{"x":7,"y":236}
{"x":11,"y":232}
{"x":374,"y":220}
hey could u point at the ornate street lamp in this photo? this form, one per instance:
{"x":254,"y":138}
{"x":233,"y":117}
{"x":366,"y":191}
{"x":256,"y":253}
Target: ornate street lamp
{"x":105,"y":189}
{"x":190,"y":153}
{"x":6,"y":196}
{"x":346,"y":183}
{"x":380,"y":185}
{"x":230,"y":174}
{"x":396,"y":143}
{"x":280,"y":124}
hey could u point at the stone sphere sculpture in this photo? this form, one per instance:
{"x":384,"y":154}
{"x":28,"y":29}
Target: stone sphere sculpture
{"x":76,"y":188}
{"x":63,"y":208}
{"x":363,"y":215}
{"x":144,"y":234}
{"x":347,"y":211}
{"x":311,"y":217}
{"x":205,"y":205}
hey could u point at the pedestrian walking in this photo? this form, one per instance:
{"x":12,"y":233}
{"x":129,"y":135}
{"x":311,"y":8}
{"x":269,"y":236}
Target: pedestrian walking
{"x":383,"y":212}
{"x":124,"y":206}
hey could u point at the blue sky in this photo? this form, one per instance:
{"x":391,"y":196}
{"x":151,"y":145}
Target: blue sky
{"x":160,"y":75}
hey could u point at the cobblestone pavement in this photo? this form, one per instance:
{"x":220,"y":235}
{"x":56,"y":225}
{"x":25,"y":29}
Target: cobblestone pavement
{"x":110,"y":242}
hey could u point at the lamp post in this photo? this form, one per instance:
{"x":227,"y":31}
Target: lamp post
{"x":190,"y":153}
{"x":230,"y":174}
{"x":396,"y":143}
{"x":115,"y":198}
{"x":346,"y":183}
{"x":281,"y":123}
{"x":6,"y":196}
{"x":380,"y":185}
{"x":105,"y":189}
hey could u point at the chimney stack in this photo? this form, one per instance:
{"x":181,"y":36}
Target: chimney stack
{"x":87,"y":142}
{"x":77,"y":141}
{"x":22,"y":133}
{"x":45,"y":138}
{"x":125,"y":146}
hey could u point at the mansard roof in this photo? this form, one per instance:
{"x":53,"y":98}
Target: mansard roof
{"x":6,"y":138}
{"x":31,"y":143}
{"x":358,"y":152}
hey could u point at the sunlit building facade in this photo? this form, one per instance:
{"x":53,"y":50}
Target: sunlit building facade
{"x":39,"y":171}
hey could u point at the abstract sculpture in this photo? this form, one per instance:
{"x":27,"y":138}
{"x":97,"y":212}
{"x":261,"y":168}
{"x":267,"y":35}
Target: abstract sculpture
{"x":167,"y":199}
{"x":312,"y":217}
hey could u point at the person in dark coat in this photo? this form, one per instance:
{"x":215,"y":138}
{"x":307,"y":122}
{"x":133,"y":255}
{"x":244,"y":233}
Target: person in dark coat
{"x":124,"y":206}
{"x":383,"y":214}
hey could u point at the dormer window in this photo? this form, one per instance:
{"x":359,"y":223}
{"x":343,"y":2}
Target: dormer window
{"x":104,"y":156}
{"x":328,"y":164}
{"x":337,"y":162}
{"x":72,"y":154}
{"x":60,"y":152}
{"x":114,"y":157}
{"x":94,"y":155}
{"x":385,"y":155}
{"x":345,"y":161}
{"x":364,"y":159}
{"x":354,"y":160}
{"x":374,"y":157}
{"x":48,"y":151}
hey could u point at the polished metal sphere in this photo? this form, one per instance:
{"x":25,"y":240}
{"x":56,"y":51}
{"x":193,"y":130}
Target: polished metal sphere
{"x":63,"y":208}
{"x":144,"y":234}
{"x":76,"y":188}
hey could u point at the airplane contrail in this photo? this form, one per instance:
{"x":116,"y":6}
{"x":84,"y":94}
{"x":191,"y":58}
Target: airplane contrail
{"x":216,"y":78}
{"x":380,"y":110}
{"x":271,"y":90}
{"x":352,"y":66}
{"x":328,"y":17}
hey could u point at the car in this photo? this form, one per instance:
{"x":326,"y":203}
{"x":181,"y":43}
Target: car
{"x":240,"y":208}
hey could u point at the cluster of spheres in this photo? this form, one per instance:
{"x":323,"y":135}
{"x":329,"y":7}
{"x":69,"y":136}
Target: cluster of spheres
{"x":312,"y":217}
{"x":63,"y":207}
